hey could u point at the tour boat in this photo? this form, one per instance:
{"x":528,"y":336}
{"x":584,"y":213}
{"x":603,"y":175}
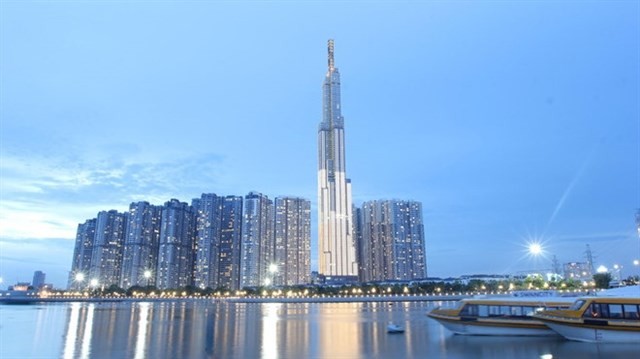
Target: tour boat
{"x":610,"y":317}
{"x":508,"y":316}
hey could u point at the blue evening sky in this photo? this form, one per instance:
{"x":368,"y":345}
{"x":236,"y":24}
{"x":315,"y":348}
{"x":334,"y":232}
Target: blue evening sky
{"x":511,"y":121}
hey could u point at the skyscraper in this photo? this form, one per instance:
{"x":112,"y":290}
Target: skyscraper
{"x":141,"y":242}
{"x":392,"y":241}
{"x":106,"y":259}
{"x":175,"y":254}
{"x":230,"y":242}
{"x":335,"y":229}
{"x":208,"y":211}
{"x":292,"y":241}
{"x":82,"y":252}
{"x":257,"y":239}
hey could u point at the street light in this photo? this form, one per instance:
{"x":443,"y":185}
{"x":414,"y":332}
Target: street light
{"x":147,"y":276}
{"x":79,"y":278}
{"x":273,"y":269}
{"x":535,"y":248}
{"x":94,"y":283}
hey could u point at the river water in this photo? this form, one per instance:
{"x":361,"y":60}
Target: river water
{"x":200,"y":329}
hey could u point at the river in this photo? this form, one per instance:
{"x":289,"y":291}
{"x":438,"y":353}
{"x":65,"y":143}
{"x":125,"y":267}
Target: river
{"x":205,"y":329}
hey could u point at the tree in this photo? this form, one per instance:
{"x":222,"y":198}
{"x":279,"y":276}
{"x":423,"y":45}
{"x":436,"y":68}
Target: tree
{"x":602,"y":280}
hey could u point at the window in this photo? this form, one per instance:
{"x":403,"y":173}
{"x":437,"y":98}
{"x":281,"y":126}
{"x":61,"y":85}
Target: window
{"x":577,"y":305}
{"x":469,"y":310}
{"x":483,"y":311}
{"x":631,"y":311}
{"x":615,"y":311}
{"x":494,"y":311}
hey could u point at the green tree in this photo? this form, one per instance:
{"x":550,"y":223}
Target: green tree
{"x":602,"y":280}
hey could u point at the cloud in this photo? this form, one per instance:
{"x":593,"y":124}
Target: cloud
{"x":44,"y":197}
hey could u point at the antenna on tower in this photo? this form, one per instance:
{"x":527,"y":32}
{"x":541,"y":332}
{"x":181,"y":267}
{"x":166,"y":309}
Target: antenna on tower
{"x":330,"y":49}
{"x":589,"y":257}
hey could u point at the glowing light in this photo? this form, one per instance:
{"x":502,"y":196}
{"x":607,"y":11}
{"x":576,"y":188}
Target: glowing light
{"x":602,"y":269}
{"x":535,"y":248}
{"x":273,"y":267}
{"x":147,"y":274}
{"x":79,"y":277}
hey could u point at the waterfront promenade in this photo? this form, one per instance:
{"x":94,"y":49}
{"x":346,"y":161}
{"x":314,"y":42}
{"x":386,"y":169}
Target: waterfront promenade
{"x":242,"y":299}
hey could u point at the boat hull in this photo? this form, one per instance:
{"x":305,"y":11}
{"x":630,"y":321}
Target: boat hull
{"x":595,"y":335}
{"x":496,"y":327}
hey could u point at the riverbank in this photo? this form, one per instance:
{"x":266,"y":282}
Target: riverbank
{"x":248,"y":299}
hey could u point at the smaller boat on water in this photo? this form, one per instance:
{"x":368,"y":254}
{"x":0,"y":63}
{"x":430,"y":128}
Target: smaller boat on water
{"x":612,"y":316}
{"x":501,"y":316}
{"x":394,"y":328}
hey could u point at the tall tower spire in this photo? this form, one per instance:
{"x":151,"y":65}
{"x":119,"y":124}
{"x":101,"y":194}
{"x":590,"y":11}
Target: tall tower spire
{"x":337,"y":254}
{"x":330,"y":54}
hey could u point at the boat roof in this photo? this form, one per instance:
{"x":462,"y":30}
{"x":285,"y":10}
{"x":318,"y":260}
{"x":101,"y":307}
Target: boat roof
{"x":631,"y":291}
{"x":509,"y":300}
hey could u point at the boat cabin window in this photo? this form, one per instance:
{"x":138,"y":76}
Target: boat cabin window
{"x":470,"y":310}
{"x":483,"y":310}
{"x":577,"y":305}
{"x":615,"y":311}
{"x":516,"y":311}
{"x":612,"y":311}
{"x":596,"y":310}
{"x":631,"y":311}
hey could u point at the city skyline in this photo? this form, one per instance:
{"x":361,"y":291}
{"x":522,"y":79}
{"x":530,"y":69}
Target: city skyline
{"x":510,"y":122}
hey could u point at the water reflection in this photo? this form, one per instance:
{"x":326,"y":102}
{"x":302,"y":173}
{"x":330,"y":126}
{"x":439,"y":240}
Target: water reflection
{"x":236,"y":330}
{"x":270,"y":331}
{"x":72,"y":331}
{"x":143,"y":324}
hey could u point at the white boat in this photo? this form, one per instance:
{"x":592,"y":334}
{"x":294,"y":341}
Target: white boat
{"x":394,"y":328}
{"x":500,"y":316}
{"x":611,"y":317}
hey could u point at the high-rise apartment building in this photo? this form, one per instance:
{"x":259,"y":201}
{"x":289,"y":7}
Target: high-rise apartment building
{"x":392,"y":241}
{"x":141,"y":243}
{"x":106,"y":259}
{"x":82,"y":252}
{"x":208,"y":211}
{"x":38,"y":279}
{"x":230,"y":243}
{"x":176,"y":249}
{"x":292,"y":255}
{"x":257,"y":240}
{"x":337,"y":254}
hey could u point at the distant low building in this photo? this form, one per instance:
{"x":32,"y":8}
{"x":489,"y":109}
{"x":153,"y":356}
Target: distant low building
{"x":465,"y":279}
{"x":580,"y":271}
{"x":38,"y":279}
